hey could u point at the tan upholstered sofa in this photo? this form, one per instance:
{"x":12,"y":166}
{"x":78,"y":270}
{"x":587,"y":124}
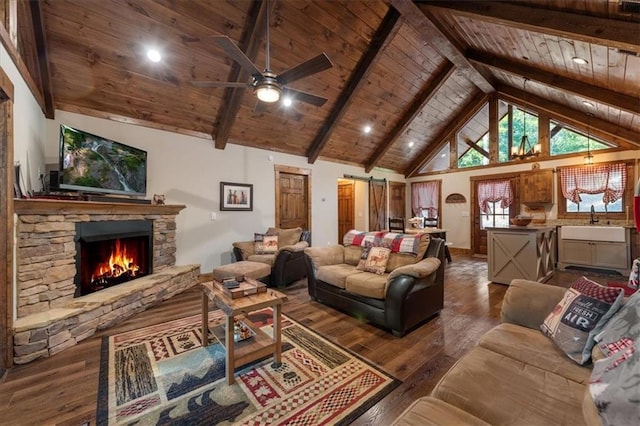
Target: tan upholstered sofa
{"x":515,"y":375}
{"x":287,"y":263}
{"x":410,"y":291}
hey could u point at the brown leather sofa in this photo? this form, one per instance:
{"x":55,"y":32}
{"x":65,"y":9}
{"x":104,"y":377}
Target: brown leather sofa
{"x":287,"y":264}
{"x":410,"y":291}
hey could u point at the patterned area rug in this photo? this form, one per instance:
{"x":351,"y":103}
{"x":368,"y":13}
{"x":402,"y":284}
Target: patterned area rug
{"x":162,"y":375}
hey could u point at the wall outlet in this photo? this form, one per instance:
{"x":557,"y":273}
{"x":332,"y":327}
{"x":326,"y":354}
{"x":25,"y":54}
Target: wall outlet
{"x":214,"y":216}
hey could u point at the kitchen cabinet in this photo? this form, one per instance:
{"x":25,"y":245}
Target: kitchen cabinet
{"x":536,"y":187}
{"x":526,"y":252}
{"x":614,"y":256}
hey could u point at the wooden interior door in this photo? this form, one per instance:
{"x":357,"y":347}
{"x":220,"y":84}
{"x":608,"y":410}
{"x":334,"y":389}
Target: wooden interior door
{"x":346,"y":207}
{"x":377,"y":206}
{"x":397,"y":191}
{"x":6,"y":221}
{"x":293,"y":195}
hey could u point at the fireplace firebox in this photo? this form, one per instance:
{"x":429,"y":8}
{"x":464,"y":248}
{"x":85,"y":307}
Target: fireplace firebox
{"x":110,"y":253}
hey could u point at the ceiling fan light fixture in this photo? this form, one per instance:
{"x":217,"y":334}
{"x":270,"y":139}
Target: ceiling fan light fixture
{"x":268,"y":92}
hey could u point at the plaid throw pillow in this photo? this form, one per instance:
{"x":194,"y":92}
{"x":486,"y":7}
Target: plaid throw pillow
{"x":583,"y":311}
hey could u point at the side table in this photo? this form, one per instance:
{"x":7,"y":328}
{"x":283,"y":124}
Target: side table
{"x":256,"y":347}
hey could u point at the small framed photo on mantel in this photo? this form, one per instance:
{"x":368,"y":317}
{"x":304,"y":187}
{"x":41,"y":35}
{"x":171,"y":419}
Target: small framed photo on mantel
{"x":236,"y":196}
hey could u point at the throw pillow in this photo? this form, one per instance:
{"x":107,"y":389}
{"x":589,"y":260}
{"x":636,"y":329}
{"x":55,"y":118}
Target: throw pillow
{"x":584,"y":309}
{"x":363,"y":257}
{"x":265,"y":243}
{"x":377,"y":259}
{"x":614,"y":379}
{"x":270,"y":244}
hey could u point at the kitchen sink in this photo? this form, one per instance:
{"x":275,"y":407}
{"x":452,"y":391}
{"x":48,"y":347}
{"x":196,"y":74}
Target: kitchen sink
{"x":594,"y":233}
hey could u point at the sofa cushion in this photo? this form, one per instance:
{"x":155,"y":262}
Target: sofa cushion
{"x":367,"y":284}
{"x":429,"y":411}
{"x":267,"y":259}
{"x":396,"y":260}
{"x":321,"y":256}
{"x":352,"y":255}
{"x":575,"y":321}
{"x":337,"y":274}
{"x":286,"y":237}
{"x":532,"y":347}
{"x":502,"y":390}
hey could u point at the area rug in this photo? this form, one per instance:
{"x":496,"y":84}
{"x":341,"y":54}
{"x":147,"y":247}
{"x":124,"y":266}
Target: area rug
{"x":162,"y":375}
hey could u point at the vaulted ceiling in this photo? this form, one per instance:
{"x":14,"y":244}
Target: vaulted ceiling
{"x":414,"y":72}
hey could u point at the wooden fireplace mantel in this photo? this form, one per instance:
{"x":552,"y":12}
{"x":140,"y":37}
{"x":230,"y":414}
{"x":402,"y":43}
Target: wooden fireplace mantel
{"x":48,"y":207}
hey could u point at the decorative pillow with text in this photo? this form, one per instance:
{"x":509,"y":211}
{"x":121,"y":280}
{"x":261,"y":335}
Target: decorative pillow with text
{"x":583,"y":311}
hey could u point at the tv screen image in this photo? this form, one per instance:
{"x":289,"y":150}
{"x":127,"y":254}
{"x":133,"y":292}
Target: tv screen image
{"x":92,"y":163}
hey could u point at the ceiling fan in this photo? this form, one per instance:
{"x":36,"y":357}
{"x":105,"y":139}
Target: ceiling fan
{"x":268,"y":86}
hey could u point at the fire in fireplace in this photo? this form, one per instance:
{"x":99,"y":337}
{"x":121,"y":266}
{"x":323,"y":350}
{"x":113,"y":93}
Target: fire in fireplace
{"x":111,"y":253}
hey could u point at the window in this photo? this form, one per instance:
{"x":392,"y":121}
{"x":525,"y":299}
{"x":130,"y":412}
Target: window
{"x":494,"y":199}
{"x":473,"y":157}
{"x":565,"y":140}
{"x":425,"y":199}
{"x":515,"y":131}
{"x":606,"y":186}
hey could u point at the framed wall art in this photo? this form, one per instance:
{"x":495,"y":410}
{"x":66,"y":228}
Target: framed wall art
{"x":236,"y":196}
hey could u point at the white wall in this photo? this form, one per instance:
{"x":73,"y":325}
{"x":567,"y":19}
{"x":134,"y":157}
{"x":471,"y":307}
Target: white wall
{"x":188,"y":170}
{"x":28,"y":127}
{"x":455,"y":217}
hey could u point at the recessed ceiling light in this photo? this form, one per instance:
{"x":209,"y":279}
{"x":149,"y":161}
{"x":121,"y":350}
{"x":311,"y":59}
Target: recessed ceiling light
{"x":367,"y":129}
{"x":287,"y":101}
{"x":411,"y":144}
{"x":588,"y":104}
{"x":579,"y":60}
{"x":154,"y":55}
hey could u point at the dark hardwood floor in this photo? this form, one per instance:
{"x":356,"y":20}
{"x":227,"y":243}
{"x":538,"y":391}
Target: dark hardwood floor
{"x":63,"y":389}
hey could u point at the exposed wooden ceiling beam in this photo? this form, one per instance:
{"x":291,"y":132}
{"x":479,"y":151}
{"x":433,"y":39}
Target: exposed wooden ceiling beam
{"x":598,"y":94}
{"x":384,"y":34}
{"x":414,"y":109}
{"x":43,"y":58}
{"x":232,"y":98}
{"x":447,"y":133}
{"x":477,"y":148}
{"x":569,"y":115}
{"x":590,"y":29}
{"x":435,"y":37}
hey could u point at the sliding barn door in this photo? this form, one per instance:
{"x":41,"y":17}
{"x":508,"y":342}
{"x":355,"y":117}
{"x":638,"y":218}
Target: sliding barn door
{"x":377,"y":206}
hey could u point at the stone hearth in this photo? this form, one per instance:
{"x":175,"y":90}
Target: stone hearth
{"x":49,"y":318}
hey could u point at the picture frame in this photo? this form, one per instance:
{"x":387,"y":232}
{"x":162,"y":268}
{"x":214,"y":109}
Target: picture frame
{"x":236,"y":196}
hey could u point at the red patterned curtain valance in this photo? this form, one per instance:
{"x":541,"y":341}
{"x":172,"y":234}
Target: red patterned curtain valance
{"x":608,"y":179}
{"x":492,"y":192}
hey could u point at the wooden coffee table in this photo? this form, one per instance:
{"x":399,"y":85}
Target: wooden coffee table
{"x":251,"y":349}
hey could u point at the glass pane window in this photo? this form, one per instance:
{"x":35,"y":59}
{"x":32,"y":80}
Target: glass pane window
{"x":497,"y":217}
{"x":472,"y":157}
{"x":565,"y":140}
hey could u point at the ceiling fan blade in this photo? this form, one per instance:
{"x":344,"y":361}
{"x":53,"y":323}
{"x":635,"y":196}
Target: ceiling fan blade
{"x":305,"y":97}
{"x":219,"y":84}
{"x":312,"y":66}
{"x":231,"y":49}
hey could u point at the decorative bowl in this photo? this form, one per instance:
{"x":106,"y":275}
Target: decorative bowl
{"x":521,"y":221}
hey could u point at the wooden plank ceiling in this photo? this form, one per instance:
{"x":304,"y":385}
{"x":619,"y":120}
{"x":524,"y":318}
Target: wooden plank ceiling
{"x":414,"y":72}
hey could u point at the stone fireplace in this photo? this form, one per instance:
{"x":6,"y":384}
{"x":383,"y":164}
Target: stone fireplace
{"x":51,"y":312}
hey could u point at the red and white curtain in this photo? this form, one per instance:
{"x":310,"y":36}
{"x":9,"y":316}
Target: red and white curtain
{"x":424,"y":198}
{"x":492,"y":192}
{"x":608,"y":179}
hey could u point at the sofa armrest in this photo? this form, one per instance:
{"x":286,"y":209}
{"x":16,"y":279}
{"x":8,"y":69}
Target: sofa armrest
{"x":417,"y":270}
{"x":528,"y":303}
{"x":243,"y":249}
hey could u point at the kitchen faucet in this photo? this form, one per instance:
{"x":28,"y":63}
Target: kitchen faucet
{"x":594,"y":218}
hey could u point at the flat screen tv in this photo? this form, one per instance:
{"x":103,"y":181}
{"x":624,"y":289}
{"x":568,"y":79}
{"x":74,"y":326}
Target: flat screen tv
{"x":90,"y":163}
